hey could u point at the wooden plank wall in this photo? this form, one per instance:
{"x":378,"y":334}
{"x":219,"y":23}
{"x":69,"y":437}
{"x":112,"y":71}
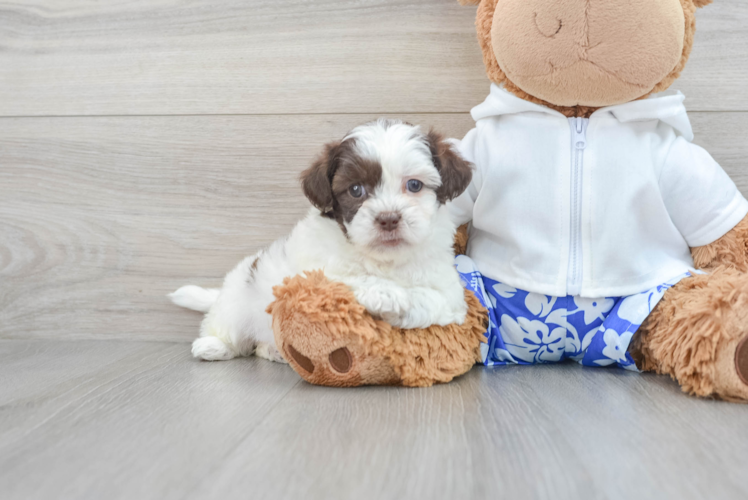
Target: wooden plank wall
{"x":146,"y":144}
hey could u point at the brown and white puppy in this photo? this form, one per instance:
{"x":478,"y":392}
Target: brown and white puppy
{"x":379,"y":225}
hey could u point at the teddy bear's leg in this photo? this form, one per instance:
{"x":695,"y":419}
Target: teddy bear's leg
{"x":326,"y":336}
{"x":461,"y":240}
{"x":698,"y":334}
{"x":326,"y":355}
{"x":330,"y":339}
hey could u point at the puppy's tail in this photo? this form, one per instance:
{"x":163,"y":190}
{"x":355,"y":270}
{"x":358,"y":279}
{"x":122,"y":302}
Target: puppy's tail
{"x":195,"y":297}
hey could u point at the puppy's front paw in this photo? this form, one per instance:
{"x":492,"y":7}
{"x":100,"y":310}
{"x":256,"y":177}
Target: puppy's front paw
{"x":418,"y":317}
{"x":390,"y":303}
{"x":415,"y":318}
{"x":456,"y":315}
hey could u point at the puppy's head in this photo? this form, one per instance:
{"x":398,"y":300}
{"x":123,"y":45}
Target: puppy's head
{"x":384,"y":183}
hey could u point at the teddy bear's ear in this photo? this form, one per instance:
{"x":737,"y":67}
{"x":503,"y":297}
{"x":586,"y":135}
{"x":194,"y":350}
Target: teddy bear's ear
{"x":702,"y":3}
{"x":476,"y":2}
{"x":316,"y":181}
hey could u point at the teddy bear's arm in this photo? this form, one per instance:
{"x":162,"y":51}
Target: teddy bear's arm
{"x":731,"y":250}
{"x":461,"y":240}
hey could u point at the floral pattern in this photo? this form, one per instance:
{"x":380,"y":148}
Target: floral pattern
{"x":530,"y":328}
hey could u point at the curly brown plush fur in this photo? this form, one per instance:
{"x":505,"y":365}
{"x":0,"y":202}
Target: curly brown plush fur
{"x":731,"y":250}
{"x":461,"y":240}
{"x":330,"y":339}
{"x":693,"y":334}
{"x":697,"y":334}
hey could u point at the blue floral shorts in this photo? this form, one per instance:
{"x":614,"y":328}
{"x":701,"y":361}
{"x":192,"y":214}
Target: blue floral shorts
{"x":529,"y":328}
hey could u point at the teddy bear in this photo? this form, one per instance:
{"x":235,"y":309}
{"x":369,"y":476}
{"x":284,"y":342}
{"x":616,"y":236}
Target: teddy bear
{"x":597,"y":231}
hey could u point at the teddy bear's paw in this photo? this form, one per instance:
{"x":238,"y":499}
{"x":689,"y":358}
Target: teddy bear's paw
{"x":731,"y":371}
{"x":388,"y":302}
{"x":338,"y":366}
{"x":338,"y":361}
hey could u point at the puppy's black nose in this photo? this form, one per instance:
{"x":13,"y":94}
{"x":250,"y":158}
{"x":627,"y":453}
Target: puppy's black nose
{"x":388,"y":221}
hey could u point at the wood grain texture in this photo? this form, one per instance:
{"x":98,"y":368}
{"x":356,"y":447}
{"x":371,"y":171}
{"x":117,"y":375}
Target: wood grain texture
{"x":545,"y":432}
{"x":293,"y":56}
{"x":101,"y":217}
{"x":109,"y":419}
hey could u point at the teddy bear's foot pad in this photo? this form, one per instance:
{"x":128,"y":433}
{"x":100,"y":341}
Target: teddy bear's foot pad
{"x":340,"y":367}
{"x":340,"y":360}
{"x":741,"y":360}
{"x":305,"y":363}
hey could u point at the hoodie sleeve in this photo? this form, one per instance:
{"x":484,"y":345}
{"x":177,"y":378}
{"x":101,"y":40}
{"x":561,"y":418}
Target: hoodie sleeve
{"x":702,"y":200}
{"x":461,"y":208}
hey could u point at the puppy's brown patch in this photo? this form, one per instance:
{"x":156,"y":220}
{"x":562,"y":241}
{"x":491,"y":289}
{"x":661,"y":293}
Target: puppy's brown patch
{"x":327,"y":182}
{"x":316,"y":181}
{"x":352,"y":169}
{"x":456,"y":173}
{"x":253,"y":269}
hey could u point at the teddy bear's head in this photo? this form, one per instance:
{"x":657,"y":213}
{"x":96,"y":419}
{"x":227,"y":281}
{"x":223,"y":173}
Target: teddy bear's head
{"x":579,"y":55}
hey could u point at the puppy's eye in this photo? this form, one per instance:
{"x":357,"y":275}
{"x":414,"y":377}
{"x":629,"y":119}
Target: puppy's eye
{"x":357,"y":190}
{"x":414,"y":185}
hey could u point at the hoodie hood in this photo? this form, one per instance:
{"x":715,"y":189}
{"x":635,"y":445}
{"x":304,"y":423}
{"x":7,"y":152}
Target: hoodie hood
{"x":666,"y":106}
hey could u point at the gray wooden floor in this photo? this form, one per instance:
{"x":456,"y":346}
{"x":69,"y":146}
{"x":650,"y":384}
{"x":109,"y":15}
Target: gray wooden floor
{"x":147,"y":144}
{"x":133,"y":419}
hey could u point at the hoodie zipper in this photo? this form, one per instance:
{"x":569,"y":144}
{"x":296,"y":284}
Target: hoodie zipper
{"x":578,"y":145}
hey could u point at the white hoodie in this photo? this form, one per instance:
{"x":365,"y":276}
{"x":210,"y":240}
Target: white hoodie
{"x":605,"y":207}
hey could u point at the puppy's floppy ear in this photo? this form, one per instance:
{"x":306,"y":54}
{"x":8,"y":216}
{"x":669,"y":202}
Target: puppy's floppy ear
{"x":701,"y":3}
{"x":455,"y":171}
{"x":469,"y":2}
{"x":316,"y":181}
